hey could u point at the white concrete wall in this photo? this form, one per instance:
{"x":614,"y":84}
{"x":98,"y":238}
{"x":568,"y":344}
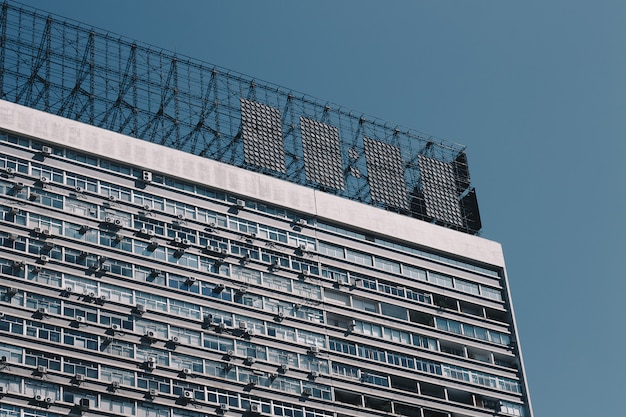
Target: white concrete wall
{"x":90,"y":139}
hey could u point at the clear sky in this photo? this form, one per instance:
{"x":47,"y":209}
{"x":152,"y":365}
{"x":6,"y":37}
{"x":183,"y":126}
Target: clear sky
{"x":535,"y":89}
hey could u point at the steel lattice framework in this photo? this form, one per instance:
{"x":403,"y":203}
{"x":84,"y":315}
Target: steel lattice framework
{"x":73,"y":71}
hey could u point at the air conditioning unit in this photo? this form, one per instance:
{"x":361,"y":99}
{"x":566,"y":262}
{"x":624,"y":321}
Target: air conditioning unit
{"x":177,"y":240}
{"x":78,"y":189}
{"x":243,"y":325}
{"x":222,"y":251}
{"x":103,"y":298}
{"x":117,"y":222}
{"x":13,"y":211}
{"x":13,"y":236}
{"x":314,"y":374}
{"x":115,"y":327}
{"x":19,"y":264}
{"x":140,"y":308}
{"x":112,"y":198}
{"x":44,"y":180}
{"x":79,"y":377}
{"x":44,"y":258}
{"x":230,"y":353}
{"x":39,"y":398}
{"x":11,"y":291}
{"x":45,"y":232}
{"x":219,"y":288}
{"x":314,"y":350}
{"x":307,"y":391}
{"x":301,"y":222}
{"x":80,"y":319}
{"x":222,"y":326}
{"x":280,"y":315}
{"x":186,"y":371}
{"x":306,"y":273}
{"x":255,"y":408}
{"x":150,"y":334}
{"x":115,"y":385}
{"x":174,"y":339}
{"x":190,"y":280}
{"x":302,"y":247}
{"x":42,"y":370}
{"x":83,"y":404}
{"x":211,"y":225}
{"x":180,"y":216}
{"x":250,"y":332}
{"x":146,"y":176}
{"x":240,"y":203}
{"x":251,"y":360}
{"x":147,"y":207}
{"x":108,"y":339}
{"x":188,"y":395}
{"x":151,"y":365}
{"x":152,"y":392}
{"x":283,"y":368}
{"x":37,"y":230}
{"x":242,"y":290}
{"x":42,"y":311}
{"x":46,"y":150}
{"x":223,"y":407}
{"x":150,"y":233}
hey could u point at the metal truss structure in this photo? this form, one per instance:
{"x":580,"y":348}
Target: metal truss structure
{"x":67,"y":69}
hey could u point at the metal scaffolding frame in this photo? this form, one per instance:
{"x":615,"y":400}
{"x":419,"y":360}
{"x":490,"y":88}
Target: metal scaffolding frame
{"x":65,"y":68}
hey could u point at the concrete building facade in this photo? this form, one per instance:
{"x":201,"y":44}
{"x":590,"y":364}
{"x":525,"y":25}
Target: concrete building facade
{"x":141,"y":280}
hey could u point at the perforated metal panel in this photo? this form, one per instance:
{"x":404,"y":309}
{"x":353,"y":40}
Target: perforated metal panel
{"x":322,"y":153}
{"x":440,"y":190}
{"x":385,"y":173}
{"x":262,"y":132}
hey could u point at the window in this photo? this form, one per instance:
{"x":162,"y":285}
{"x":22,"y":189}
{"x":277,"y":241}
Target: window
{"x":387,"y":265}
{"x":358,"y":257}
{"x":331,"y":250}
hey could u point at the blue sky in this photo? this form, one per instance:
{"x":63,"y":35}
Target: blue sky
{"x":537,"y":92}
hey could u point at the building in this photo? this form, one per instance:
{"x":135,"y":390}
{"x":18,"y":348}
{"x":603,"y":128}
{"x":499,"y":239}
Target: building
{"x":317,"y":265}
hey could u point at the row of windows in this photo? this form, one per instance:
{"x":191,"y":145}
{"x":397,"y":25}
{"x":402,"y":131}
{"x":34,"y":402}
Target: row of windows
{"x":92,"y":342}
{"x":404,"y":248}
{"x":198,"y":392}
{"x":115,"y":405}
{"x":183,"y":365}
